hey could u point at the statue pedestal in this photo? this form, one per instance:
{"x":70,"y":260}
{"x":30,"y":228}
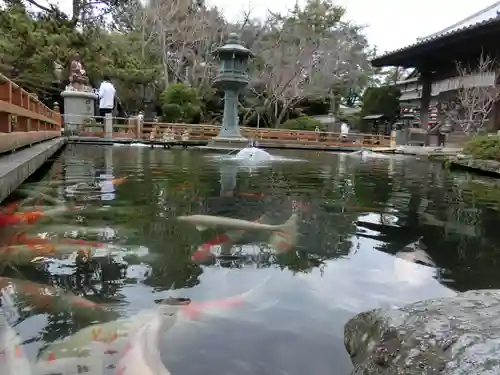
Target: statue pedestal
{"x":229,"y":135}
{"x":78,"y":107}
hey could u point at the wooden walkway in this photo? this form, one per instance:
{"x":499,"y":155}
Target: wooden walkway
{"x":30,"y":133}
{"x":186,"y":135}
{"x":24,"y":119}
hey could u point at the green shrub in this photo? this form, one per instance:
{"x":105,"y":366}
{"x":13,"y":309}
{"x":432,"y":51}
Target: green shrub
{"x":302,"y":123}
{"x":484,"y":147}
{"x":180,"y":104}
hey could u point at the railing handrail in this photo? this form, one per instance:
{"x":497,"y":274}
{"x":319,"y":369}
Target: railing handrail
{"x":168,"y":132}
{"x":149,"y":125}
{"x":23,"y":111}
{"x":31,"y":95}
{"x":248,"y":128}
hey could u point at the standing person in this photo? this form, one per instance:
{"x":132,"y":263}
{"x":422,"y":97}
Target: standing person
{"x":344,"y":131}
{"x":107,"y":94}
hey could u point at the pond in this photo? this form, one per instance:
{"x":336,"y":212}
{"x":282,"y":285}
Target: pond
{"x":358,"y":219}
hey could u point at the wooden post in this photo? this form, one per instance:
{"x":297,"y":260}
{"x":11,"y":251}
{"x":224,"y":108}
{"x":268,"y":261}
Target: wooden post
{"x":57,"y":110}
{"x":393,"y":139}
{"x":138,"y":130}
{"x":108,"y":126}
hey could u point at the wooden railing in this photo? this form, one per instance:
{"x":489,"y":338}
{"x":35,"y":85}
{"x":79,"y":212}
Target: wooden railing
{"x":22,"y":111}
{"x":24,"y":119}
{"x":266,"y":137}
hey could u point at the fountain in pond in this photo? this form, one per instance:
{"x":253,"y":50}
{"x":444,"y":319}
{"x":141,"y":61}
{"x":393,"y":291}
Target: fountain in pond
{"x":253,"y":154}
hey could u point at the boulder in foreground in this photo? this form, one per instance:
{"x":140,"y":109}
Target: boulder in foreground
{"x":448,"y":336}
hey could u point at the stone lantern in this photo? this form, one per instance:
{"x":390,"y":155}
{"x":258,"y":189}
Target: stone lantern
{"x":231,"y":78}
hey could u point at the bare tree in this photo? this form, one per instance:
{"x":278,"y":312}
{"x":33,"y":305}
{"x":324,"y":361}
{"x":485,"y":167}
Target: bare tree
{"x":208,"y":31}
{"x":185,"y":34}
{"x":303,"y":58}
{"x":477,"y":92}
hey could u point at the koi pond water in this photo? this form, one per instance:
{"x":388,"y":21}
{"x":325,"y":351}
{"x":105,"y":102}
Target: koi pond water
{"x":92,"y":247}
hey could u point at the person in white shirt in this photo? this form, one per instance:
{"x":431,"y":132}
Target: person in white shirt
{"x":344,"y":130}
{"x":107,"y":94}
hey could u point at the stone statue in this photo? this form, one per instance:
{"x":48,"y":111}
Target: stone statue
{"x":154,"y":133}
{"x":78,"y":80}
{"x":168,"y":136}
{"x":185,"y":135}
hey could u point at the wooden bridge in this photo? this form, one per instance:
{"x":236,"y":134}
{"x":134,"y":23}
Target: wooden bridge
{"x":134,"y":130}
{"x":30,"y":133}
{"x":24,"y":119}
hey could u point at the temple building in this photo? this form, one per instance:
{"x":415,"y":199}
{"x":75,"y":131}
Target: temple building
{"x":435,"y":79}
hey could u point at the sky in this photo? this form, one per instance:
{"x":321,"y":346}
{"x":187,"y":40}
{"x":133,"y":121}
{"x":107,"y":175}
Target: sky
{"x":390,"y":24}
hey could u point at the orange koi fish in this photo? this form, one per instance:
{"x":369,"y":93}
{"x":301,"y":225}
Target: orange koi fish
{"x":279,"y":241}
{"x":31,"y":217}
{"x":47,"y":299}
{"x":31,"y":253}
{"x":20,"y":218}
{"x":119,"y":181}
{"x":10,"y":208}
{"x":204,"y":252}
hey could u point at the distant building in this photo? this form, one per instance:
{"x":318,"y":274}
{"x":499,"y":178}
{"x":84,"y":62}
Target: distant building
{"x":434,"y":58}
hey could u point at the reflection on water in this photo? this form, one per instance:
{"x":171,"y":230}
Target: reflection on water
{"x":371,"y":232}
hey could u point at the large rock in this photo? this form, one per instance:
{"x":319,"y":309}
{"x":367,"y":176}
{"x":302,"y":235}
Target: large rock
{"x":448,"y":336}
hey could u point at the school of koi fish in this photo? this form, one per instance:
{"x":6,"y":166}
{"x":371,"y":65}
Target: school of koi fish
{"x":125,"y":346}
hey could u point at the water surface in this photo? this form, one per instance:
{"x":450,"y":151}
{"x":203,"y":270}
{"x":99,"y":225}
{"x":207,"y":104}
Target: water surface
{"x":355,"y":215}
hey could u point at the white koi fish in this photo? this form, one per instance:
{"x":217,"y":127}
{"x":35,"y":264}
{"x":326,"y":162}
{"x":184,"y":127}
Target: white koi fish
{"x":142,"y":354}
{"x":13,"y":361}
{"x":97,"y":346}
{"x":203,"y":222}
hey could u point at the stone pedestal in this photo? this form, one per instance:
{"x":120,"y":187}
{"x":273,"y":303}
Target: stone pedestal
{"x":78,"y":107}
{"x":229,"y":135}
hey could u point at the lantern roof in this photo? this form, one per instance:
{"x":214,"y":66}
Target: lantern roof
{"x":234,"y":45}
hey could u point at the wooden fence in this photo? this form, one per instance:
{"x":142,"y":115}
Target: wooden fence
{"x":265,"y":136}
{"x":24,"y":119}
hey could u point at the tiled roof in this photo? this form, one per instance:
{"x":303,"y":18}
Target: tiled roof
{"x":447,"y":32}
